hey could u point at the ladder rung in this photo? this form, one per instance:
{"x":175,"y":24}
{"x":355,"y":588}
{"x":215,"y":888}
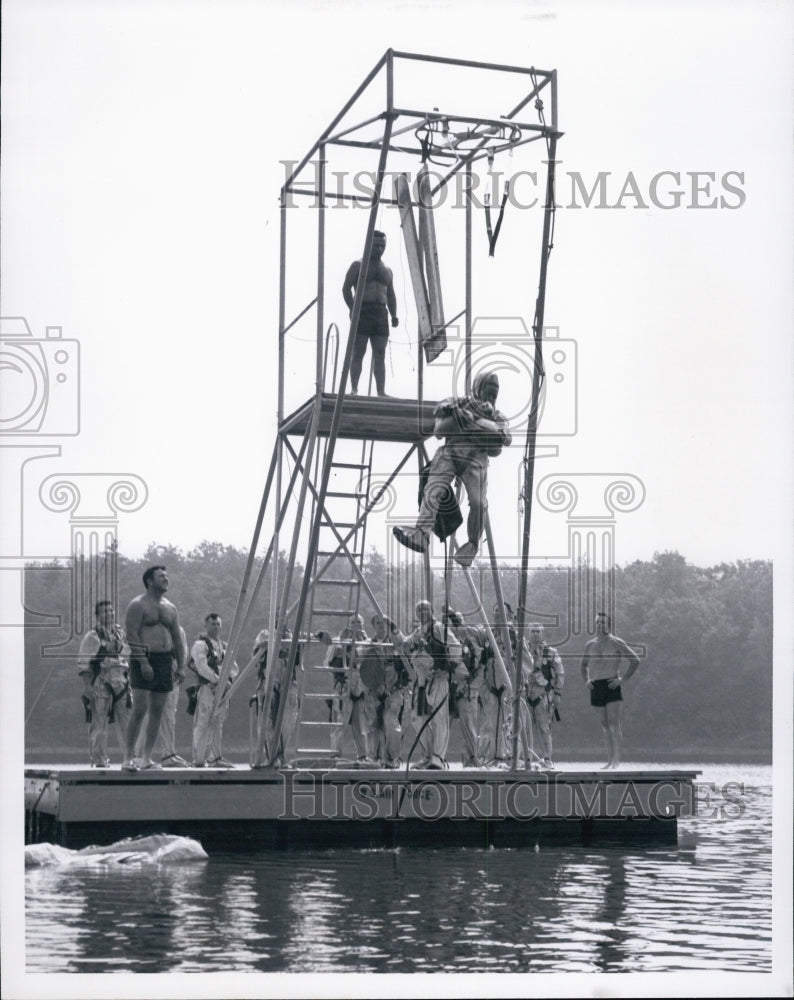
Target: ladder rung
{"x":346,"y":495}
{"x":333,"y":725}
{"x":338,"y":524}
{"x":336,"y":583}
{"x":339,"y":555}
{"x":349,"y":465}
{"x":316,"y":612}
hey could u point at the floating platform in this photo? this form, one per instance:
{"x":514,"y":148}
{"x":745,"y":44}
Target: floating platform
{"x":245,"y":809}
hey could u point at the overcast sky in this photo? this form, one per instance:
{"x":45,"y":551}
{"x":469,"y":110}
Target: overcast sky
{"x":141,"y":170}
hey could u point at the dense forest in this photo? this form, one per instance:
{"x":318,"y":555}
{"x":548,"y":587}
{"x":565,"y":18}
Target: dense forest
{"x":703,"y":690}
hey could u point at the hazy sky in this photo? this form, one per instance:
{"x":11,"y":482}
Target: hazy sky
{"x":141,"y":170}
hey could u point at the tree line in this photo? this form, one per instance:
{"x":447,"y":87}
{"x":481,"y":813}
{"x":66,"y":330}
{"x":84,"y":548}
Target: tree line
{"x":703,"y":689}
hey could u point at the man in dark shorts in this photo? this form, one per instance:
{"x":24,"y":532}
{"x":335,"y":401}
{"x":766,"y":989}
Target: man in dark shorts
{"x":601,"y":670}
{"x":153,"y":636}
{"x":373,"y":323}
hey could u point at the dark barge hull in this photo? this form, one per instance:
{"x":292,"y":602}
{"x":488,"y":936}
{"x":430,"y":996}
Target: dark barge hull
{"x":248,"y":809}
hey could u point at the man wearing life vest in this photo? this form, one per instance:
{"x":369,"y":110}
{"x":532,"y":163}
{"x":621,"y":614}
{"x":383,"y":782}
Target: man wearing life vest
{"x":206,"y":658}
{"x":289,"y":722}
{"x":350,"y":703}
{"x":435,"y":652}
{"x":102,"y":663}
{"x":545,"y":676}
{"x":496,"y":691}
{"x":340,"y":659}
{"x":387,"y":704}
{"x":474,"y":429}
{"x":467,"y":681}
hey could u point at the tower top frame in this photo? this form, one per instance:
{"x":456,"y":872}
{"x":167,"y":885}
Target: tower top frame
{"x":406,"y":111}
{"x":397,"y":88}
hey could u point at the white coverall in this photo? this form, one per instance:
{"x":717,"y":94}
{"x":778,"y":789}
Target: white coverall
{"x":208,"y":731}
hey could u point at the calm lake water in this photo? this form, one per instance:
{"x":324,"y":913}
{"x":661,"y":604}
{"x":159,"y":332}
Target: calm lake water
{"x":703,"y":905}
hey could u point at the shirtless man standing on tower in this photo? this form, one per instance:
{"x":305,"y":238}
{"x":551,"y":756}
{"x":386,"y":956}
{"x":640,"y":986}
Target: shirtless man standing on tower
{"x":373,"y":323}
{"x":153,"y":636}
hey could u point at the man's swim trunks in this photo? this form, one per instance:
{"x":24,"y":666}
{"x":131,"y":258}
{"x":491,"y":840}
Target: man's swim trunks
{"x":373,"y":323}
{"x":163,"y":666}
{"x":602,"y":694}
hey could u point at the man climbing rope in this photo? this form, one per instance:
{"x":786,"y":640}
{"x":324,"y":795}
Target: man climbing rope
{"x":474,"y":429}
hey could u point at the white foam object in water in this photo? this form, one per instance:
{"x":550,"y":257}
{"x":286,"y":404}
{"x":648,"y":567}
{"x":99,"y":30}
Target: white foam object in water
{"x":158,"y":848}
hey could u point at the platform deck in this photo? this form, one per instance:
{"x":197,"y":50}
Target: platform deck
{"x":76,"y":806}
{"x":378,"y":418}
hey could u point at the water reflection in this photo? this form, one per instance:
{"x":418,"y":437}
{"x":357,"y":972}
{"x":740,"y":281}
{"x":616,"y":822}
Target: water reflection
{"x":705,"y":904}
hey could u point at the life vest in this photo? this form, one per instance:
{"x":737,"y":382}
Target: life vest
{"x":213,"y":660}
{"x":438,"y":650}
{"x":338,"y":666}
{"x":547,"y":667}
{"x":476,"y":652}
{"x":109,"y":645}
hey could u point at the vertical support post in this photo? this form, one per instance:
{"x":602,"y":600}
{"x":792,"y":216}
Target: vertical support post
{"x":234,"y":632}
{"x":468,"y":276}
{"x":532,"y":429}
{"x":320,"y":269}
{"x":500,"y":600}
{"x":282,"y":311}
{"x":282,"y":304}
{"x":390,"y":81}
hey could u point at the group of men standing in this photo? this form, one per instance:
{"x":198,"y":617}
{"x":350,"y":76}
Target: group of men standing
{"x":386,"y":685}
{"x":132,"y":677}
{"x":384,"y":688}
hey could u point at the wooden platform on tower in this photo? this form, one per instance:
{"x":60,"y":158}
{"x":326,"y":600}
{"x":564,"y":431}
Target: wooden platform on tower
{"x":374,"y":418}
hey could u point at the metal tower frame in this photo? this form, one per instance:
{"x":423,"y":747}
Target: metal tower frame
{"x":333,"y":415}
